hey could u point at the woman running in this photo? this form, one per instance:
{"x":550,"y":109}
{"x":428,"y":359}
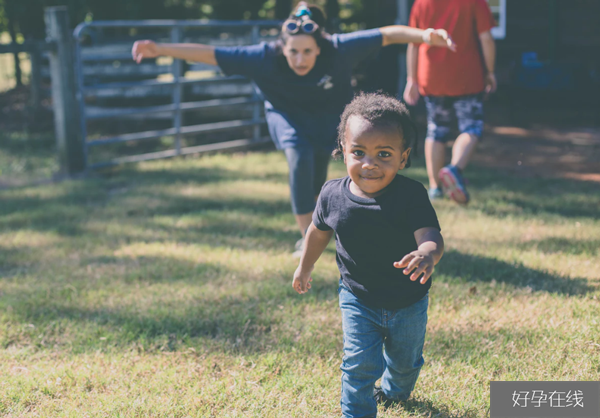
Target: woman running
{"x":305,"y":77}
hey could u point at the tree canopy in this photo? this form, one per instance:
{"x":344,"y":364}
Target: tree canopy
{"x":26,"y":17}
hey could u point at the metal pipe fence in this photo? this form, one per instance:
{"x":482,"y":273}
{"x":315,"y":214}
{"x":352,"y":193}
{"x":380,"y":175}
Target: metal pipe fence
{"x":177,"y":105}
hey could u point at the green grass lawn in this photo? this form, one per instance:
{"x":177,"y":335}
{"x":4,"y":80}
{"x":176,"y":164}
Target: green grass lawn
{"x":164,"y":290}
{"x":26,"y":157}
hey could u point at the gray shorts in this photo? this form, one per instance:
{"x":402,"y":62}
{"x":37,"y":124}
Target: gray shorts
{"x":441,"y":112}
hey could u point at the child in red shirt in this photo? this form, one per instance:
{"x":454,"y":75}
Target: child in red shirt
{"x":453,"y":84}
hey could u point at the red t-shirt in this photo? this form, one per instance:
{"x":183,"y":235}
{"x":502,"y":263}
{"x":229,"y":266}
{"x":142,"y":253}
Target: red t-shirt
{"x":442,"y":72}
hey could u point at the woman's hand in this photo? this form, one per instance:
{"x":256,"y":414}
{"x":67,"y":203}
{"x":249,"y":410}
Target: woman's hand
{"x":439,"y":37}
{"x":144,"y":49}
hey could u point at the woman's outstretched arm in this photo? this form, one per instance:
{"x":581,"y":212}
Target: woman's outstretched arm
{"x":189,"y":52}
{"x":398,"y":34}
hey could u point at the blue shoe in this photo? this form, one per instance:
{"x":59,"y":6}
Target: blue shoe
{"x":454,"y":184}
{"x":435,"y":194}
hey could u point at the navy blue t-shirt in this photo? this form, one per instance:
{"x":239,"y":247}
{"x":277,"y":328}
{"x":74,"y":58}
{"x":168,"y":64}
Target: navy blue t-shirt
{"x":303,"y":108}
{"x":371,"y":234}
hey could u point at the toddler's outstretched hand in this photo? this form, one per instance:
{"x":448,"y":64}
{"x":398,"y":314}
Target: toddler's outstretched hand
{"x":301,"y":282}
{"x":419,"y":261}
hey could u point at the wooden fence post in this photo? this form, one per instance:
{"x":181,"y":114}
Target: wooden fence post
{"x":35,"y":81}
{"x":258,"y":104}
{"x":177,"y":70}
{"x":71,"y":151}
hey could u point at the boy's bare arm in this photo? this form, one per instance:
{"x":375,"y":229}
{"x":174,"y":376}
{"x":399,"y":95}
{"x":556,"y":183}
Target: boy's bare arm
{"x":488,"y":47}
{"x":411,"y":91}
{"x":412,"y":61}
{"x":422,"y":261}
{"x":315,"y":243}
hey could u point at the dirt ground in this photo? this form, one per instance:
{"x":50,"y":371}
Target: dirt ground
{"x":543,"y":151}
{"x":538,"y":142}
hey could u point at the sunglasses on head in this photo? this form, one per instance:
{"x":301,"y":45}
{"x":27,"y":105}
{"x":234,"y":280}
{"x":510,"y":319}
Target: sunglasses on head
{"x":301,"y":22}
{"x":294,"y":26}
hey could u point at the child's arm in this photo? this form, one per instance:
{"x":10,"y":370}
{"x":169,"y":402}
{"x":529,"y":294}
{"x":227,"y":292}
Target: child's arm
{"x":315,"y":243}
{"x":411,"y":91}
{"x":488,"y":47}
{"x":429,"y":253}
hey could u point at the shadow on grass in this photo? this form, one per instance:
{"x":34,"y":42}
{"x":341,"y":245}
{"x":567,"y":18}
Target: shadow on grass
{"x":243,"y":319}
{"x":235,"y":235}
{"x":26,"y":157}
{"x":76,"y":202}
{"x":68,"y":204}
{"x":232,"y":235}
{"x":565,"y":206}
{"x":562,"y":245}
{"x":21,"y":144}
{"x":249,"y":322}
{"x":124,"y":196}
{"x":475,"y":268}
{"x":426,"y":408}
{"x":499,"y":194}
{"x":188,"y":174}
{"x":231,"y":223}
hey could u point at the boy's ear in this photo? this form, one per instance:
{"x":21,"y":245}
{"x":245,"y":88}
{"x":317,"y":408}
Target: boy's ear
{"x":405,"y":158}
{"x":337,"y":153}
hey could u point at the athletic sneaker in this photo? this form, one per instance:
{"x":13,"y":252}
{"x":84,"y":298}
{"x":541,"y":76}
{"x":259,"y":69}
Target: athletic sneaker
{"x":381,"y":399}
{"x":435,"y":193}
{"x":298,"y":248}
{"x":454,"y":184}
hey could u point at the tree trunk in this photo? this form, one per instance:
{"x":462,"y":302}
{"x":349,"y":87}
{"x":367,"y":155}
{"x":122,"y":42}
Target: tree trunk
{"x":12,"y":24}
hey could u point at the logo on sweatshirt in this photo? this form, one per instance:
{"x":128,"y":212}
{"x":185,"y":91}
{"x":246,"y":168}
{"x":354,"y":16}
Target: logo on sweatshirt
{"x":325,"y":82}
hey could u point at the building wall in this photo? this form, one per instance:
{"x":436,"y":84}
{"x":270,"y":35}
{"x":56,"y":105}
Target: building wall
{"x":579,"y":30}
{"x":566,"y":32}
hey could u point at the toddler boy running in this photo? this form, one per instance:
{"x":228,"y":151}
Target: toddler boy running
{"x":388,"y":241}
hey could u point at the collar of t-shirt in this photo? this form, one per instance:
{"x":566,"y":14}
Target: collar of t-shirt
{"x":365,"y":200}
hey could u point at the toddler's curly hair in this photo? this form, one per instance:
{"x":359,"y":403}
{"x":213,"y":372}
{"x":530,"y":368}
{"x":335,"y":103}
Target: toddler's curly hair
{"x":379,"y":109}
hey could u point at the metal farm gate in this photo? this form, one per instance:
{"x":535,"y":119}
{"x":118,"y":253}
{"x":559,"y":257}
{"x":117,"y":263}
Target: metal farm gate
{"x":102,"y":54}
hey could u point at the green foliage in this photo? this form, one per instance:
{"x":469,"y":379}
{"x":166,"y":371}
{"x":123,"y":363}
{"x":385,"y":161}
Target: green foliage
{"x":28,"y":15}
{"x":3,"y":18}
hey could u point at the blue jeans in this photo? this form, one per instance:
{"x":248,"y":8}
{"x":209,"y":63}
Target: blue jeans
{"x":308,"y":172}
{"x":366,"y":332}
